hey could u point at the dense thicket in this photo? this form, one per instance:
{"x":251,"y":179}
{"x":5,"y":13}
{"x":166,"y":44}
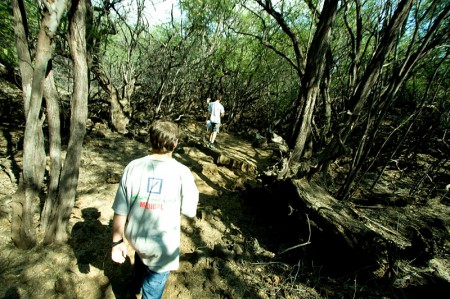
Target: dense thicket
{"x":364,"y":83}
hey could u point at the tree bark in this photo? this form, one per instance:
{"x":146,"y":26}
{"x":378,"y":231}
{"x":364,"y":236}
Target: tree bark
{"x":119,"y":94}
{"x":364,"y":87}
{"x":398,"y":77}
{"x":24,"y":236}
{"x":119,"y":106}
{"x":54,"y":126}
{"x":23,"y":51}
{"x":57,"y":229}
{"x":19,"y":234}
{"x":356,"y":40}
{"x":373,"y":70}
{"x":311,"y":80}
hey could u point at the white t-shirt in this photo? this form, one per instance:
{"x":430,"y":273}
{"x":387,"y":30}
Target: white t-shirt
{"x":216,"y":109}
{"x":154,"y":192}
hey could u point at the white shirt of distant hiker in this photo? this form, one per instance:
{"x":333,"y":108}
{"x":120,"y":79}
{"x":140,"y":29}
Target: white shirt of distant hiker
{"x":216,"y":109}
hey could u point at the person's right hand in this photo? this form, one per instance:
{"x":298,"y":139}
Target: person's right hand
{"x":119,"y":253}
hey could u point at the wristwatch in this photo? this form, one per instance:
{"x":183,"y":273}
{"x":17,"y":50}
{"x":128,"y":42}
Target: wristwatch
{"x":117,"y":242}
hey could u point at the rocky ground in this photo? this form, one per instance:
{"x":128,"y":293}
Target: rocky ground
{"x":220,"y":258}
{"x":232,"y":249}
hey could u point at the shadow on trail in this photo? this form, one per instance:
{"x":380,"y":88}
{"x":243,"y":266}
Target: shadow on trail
{"x":214,"y":268}
{"x":91,"y":243}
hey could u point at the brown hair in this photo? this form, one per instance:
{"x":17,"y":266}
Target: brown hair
{"x":163,"y":136}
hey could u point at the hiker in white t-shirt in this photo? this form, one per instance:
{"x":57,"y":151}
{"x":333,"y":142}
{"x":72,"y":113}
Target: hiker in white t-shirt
{"x":208,"y":122}
{"x":153,"y":193}
{"x":215,"y":113}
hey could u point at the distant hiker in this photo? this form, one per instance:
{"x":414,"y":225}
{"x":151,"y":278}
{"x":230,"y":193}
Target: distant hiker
{"x":153,"y":193}
{"x":215,"y":113}
{"x":208,"y":122}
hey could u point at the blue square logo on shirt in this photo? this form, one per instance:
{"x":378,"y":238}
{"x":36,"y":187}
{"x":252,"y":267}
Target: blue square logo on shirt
{"x":154,"y":185}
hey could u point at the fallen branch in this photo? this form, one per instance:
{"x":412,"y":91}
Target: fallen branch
{"x":303,"y":244}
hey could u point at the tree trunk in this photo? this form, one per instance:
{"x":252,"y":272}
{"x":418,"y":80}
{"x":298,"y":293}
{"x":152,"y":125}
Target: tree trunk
{"x":365,"y":86}
{"x":356,"y":40}
{"x":19,"y":236}
{"x":373,"y":70}
{"x":311,"y":80}
{"x":33,"y":148}
{"x":119,"y":94}
{"x":326,"y":101}
{"x":393,"y":248}
{"x":54,"y":126}
{"x":119,"y":107}
{"x":398,"y":77}
{"x":57,"y":229}
{"x":23,"y":51}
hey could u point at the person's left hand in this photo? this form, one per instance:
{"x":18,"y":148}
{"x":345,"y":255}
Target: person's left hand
{"x":119,"y":253}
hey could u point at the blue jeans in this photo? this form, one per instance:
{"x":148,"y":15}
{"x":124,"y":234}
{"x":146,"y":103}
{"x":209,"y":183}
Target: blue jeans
{"x":152,"y":283}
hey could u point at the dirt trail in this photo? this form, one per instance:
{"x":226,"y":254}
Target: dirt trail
{"x":232,"y":146}
{"x":222,"y":250}
{"x":217,"y":255}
